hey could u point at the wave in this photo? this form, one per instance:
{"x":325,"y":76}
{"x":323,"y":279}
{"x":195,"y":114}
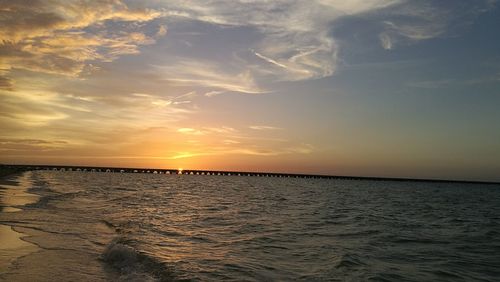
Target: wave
{"x":350,"y":261}
{"x":133,"y":265}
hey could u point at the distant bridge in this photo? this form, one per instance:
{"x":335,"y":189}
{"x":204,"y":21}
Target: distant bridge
{"x":19,"y":168}
{"x":163,"y":171}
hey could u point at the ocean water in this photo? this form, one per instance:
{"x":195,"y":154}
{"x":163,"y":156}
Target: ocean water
{"x":84,"y":226}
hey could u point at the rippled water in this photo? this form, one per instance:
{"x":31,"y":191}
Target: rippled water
{"x":105,"y":226}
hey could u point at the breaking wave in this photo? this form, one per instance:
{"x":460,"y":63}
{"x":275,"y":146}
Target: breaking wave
{"x":133,"y":265}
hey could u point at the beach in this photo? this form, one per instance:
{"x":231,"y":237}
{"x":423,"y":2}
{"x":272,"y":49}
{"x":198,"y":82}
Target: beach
{"x":12,"y":243}
{"x":28,"y":253}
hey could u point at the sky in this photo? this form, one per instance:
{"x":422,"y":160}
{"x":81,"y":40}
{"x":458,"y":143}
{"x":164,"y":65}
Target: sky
{"x":392,"y":88}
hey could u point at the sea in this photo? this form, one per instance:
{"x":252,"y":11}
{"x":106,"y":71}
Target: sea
{"x":96,"y":226}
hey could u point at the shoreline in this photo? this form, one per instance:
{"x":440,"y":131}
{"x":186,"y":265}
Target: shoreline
{"x":13,"y":194}
{"x":12,"y":247}
{"x":32,"y":252}
{"x":6,"y":179}
{"x":8,"y":171}
{"x":12,"y":244}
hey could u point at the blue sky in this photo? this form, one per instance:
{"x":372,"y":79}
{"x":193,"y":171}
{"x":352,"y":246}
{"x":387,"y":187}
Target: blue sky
{"x":380,"y":87}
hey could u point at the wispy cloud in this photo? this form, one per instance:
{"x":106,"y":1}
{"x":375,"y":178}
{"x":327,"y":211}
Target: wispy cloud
{"x":386,"y":41}
{"x":188,"y":130}
{"x":296,"y":41}
{"x":207,"y":75}
{"x":207,"y":130}
{"x":263,"y":127}
{"x":252,"y":151}
{"x":269,"y":60}
{"x":414,"y":21}
{"x":213,"y":93}
{"x":225,"y":140}
{"x":221,"y":129}
{"x":162,"y":31}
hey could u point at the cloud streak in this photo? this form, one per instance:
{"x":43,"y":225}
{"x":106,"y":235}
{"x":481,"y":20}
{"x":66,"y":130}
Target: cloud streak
{"x":206,"y":75}
{"x":263,"y":127}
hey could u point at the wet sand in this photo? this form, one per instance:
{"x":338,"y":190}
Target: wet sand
{"x":13,"y":195}
{"x":12,"y":247}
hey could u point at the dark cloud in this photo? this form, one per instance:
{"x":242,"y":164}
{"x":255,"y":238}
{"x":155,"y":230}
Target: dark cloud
{"x":4,"y":141}
{"x":11,"y":145}
{"x":6,"y":83}
{"x":52,"y":36}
